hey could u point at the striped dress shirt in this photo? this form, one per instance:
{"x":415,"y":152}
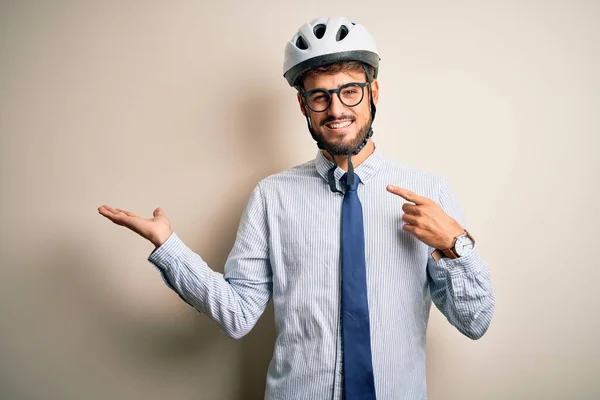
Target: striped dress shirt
{"x":287,"y":249}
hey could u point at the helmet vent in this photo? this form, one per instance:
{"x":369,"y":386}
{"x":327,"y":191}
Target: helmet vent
{"x":301,"y":43}
{"x":319,"y":31}
{"x":341,"y":33}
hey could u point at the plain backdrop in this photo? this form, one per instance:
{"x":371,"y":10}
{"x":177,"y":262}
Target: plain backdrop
{"x":182,"y":105}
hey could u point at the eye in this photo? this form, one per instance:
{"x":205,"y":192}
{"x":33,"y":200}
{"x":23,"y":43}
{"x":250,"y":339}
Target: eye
{"x":351,"y":90}
{"x":318,"y":96}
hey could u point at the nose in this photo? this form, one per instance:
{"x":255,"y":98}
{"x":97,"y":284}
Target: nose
{"x":336,"y":107}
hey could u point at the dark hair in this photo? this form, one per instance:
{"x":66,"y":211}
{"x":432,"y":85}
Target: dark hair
{"x":335,"y":68}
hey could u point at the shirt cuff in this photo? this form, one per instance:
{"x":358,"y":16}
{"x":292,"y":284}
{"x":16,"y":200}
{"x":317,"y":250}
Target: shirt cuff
{"x":465,"y":264}
{"x":164,"y":255}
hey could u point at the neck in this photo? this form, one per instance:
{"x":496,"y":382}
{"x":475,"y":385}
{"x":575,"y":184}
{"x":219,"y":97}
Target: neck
{"x":342,"y":161}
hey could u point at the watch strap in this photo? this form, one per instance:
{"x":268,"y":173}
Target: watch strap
{"x":450,"y":253}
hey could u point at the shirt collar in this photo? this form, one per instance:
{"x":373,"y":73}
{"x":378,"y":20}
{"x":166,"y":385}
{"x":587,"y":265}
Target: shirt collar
{"x":366,"y":170}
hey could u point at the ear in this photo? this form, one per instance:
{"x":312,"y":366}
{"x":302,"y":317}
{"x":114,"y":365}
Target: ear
{"x":301,"y":104}
{"x":375,"y":88}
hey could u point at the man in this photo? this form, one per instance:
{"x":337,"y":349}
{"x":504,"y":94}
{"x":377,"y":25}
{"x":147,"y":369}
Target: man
{"x":350,"y":246}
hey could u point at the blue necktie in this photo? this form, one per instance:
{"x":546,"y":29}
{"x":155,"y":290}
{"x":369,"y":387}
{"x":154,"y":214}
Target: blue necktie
{"x":359,"y":382}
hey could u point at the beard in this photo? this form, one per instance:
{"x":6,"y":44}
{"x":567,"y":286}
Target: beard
{"x":342,"y":148}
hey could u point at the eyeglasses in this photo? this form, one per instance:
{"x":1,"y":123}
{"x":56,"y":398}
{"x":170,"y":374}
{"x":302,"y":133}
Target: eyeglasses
{"x":350,"y":94}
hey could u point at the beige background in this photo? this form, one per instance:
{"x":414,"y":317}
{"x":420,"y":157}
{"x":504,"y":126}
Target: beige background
{"x":183,"y":105}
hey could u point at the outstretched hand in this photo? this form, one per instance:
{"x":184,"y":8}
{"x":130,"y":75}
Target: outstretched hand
{"x":157,"y":230}
{"x":426,"y":220}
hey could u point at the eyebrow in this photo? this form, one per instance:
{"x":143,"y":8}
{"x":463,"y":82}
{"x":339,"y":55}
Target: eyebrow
{"x":338,"y":86}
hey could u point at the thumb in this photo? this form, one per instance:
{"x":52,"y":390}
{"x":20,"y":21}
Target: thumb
{"x":158,"y":212}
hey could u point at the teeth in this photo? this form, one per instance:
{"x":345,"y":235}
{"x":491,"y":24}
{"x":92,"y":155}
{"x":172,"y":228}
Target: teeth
{"x":339,"y":125}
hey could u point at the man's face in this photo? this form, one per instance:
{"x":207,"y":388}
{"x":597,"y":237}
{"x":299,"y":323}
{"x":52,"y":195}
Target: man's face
{"x":340,"y":129}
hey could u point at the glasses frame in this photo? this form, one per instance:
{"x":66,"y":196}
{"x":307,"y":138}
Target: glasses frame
{"x":330,"y":92}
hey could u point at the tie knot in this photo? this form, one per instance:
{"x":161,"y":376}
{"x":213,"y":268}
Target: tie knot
{"x":353,"y":187}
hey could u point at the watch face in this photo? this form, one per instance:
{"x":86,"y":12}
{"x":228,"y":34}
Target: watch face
{"x":463,"y":245}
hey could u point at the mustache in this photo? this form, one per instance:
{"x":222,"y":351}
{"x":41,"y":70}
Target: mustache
{"x":331,"y":118}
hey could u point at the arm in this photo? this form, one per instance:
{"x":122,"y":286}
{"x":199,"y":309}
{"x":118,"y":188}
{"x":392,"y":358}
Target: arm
{"x":236,"y":299}
{"x":461,"y":288}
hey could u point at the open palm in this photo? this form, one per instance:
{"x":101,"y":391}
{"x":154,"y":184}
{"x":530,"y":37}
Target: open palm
{"x":156,"y":229}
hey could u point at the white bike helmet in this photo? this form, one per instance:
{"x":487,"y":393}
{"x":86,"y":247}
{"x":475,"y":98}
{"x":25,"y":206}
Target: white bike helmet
{"x":326,"y":40}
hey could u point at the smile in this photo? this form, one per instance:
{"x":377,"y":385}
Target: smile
{"x":338,"y":126}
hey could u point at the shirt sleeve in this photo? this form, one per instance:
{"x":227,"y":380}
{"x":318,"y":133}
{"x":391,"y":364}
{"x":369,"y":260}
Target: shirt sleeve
{"x":236,"y":299}
{"x":461,"y":288}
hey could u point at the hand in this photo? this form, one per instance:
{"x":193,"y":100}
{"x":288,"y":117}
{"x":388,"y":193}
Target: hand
{"x":426,"y":220}
{"x":157,"y":229}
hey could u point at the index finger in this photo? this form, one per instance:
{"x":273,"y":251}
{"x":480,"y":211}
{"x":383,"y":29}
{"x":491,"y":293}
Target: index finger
{"x":408,"y":195}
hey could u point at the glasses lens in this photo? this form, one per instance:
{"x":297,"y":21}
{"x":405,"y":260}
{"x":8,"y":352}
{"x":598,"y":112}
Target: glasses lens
{"x":351,"y":94}
{"x":319,"y":100}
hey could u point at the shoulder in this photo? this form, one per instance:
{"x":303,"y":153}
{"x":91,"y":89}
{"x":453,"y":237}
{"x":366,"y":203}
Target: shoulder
{"x":292,"y":176}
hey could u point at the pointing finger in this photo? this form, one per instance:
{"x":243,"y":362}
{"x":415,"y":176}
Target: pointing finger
{"x":407,"y":194}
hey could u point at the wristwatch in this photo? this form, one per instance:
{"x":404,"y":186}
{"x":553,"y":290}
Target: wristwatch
{"x":461,"y":245}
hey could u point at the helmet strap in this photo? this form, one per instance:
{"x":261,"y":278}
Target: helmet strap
{"x":331,"y":176}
